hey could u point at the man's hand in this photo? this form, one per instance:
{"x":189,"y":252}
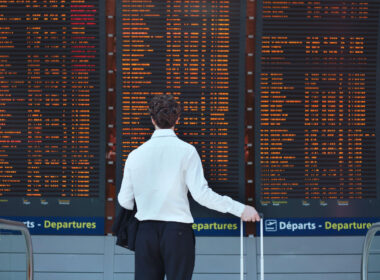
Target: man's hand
{"x":250,"y":214}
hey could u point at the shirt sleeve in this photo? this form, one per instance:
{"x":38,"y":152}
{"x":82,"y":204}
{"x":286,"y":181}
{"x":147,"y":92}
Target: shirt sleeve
{"x":126,"y":196}
{"x":204,"y":195}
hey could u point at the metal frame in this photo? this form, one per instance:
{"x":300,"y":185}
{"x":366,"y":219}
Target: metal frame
{"x":367,"y":244}
{"x":249,"y":150}
{"x":18,"y":226}
{"x":110,"y":93}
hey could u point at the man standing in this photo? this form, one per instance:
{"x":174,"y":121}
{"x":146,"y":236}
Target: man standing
{"x":158,"y":176}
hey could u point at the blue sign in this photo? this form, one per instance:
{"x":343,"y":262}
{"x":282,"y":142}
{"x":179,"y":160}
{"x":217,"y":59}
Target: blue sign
{"x":95,"y":225}
{"x":216,"y":226}
{"x":62,"y":225}
{"x":209,"y":226}
{"x":316,"y":226}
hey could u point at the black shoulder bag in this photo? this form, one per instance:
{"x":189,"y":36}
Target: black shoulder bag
{"x":125,"y":228}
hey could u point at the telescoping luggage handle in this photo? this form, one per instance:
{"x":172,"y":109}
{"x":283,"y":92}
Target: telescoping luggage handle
{"x":241,"y":251}
{"x":261,"y":249}
{"x":262,"y":246}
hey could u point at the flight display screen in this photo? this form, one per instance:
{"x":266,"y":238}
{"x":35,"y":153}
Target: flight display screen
{"x":316,"y":87}
{"x":52,"y":112}
{"x":193,"y":50}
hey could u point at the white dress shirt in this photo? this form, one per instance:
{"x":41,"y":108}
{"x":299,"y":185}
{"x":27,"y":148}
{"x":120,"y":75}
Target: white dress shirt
{"x":159,"y":174}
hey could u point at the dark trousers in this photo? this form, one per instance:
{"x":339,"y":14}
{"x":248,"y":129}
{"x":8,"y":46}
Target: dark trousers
{"x":164,"y":248}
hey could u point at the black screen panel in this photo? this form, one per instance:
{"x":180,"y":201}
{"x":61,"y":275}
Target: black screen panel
{"x":195,"y":51}
{"x":52,"y":109}
{"x":316,"y":95}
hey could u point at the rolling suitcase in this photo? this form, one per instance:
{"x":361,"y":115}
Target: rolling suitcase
{"x":261,"y":249}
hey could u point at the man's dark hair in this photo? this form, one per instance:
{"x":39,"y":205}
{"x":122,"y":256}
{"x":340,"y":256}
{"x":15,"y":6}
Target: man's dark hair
{"x":164,"y":110}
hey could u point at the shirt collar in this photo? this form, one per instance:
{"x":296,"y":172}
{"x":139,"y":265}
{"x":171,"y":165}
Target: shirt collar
{"x":164,"y":133}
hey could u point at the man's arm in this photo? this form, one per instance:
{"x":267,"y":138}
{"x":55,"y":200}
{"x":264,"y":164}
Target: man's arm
{"x":205,"y":196}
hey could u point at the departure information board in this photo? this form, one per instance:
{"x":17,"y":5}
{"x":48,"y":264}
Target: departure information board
{"x":316,"y":96}
{"x":195,"y":51}
{"x":52,"y":113}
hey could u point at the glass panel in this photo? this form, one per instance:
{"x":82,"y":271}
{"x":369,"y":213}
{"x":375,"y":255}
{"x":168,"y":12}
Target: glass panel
{"x":374,"y":259}
{"x":13,"y":263}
